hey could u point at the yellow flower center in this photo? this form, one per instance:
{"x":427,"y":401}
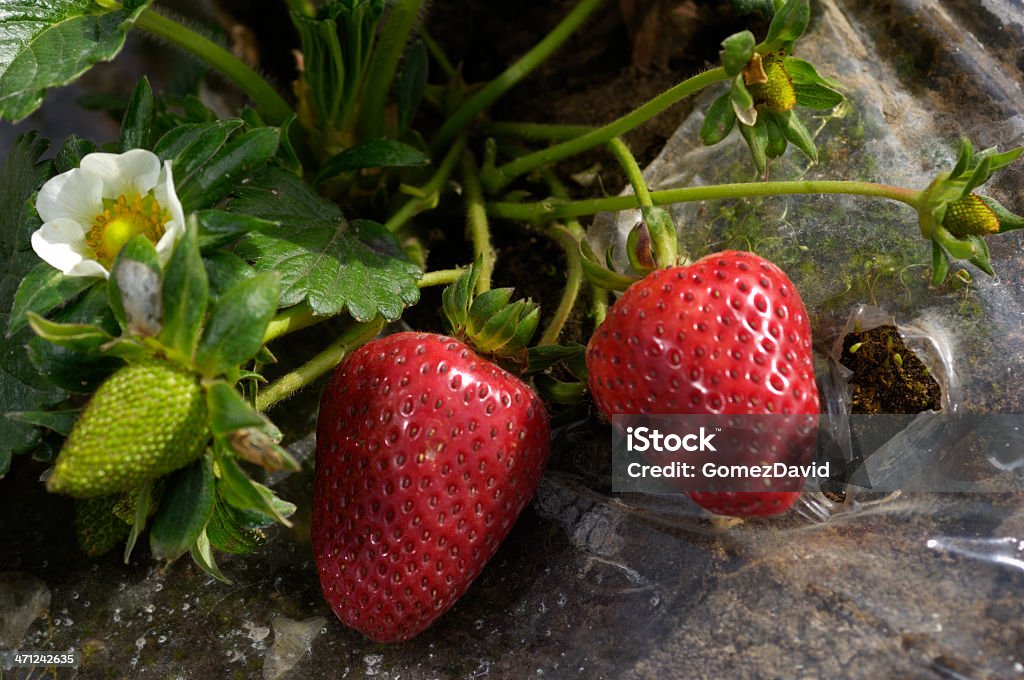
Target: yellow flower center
{"x":122,"y":220}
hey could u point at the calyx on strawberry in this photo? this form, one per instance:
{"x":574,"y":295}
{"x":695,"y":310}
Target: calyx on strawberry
{"x":727,"y":334}
{"x":426,"y":455}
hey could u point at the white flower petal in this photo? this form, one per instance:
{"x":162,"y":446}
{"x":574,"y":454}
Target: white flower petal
{"x":168,"y":200}
{"x":127,"y":173}
{"x":75,"y":195}
{"x":61,"y":244}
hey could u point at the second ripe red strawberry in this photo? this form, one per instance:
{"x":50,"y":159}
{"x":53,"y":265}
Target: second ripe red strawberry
{"x":727,"y":334}
{"x":426,"y":455}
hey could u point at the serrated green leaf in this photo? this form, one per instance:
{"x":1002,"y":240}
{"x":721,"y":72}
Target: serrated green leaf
{"x":240,"y":157}
{"x":185,"y":292}
{"x":788,"y":24}
{"x":234,"y":332}
{"x":719,"y":121}
{"x":21,"y":386}
{"x":411,"y":84}
{"x":137,"y":123}
{"x":756,"y":137}
{"x":185,"y":508}
{"x":736,"y":51}
{"x":43,"y":290}
{"x":373,"y":153}
{"x":60,"y":422}
{"x":72,"y":152}
{"x":50,"y":43}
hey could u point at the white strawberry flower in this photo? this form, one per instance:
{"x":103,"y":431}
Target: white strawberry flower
{"x":91,"y":212}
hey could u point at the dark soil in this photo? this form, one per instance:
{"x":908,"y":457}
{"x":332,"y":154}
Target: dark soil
{"x":887,"y":376}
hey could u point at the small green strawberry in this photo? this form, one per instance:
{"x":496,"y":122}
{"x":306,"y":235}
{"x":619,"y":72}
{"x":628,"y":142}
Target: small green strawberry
{"x":773,"y":88}
{"x":147,"y":419}
{"x":970,"y":216}
{"x":97,"y":528}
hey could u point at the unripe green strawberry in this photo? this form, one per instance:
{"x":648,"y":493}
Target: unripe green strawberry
{"x":147,"y":419}
{"x":970,"y":216}
{"x":777,"y":94}
{"x":97,"y":528}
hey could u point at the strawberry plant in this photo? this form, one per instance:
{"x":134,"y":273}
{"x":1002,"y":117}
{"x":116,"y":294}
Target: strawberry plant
{"x":150,"y":284}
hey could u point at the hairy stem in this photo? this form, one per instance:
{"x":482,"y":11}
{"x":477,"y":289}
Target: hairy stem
{"x":634,"y":174}
{"x":476,"y":217}
{"x":270,"y":105}
{"x":553,"y":210}
{"x":573,"y":280}
{"x":546,"y":132}
{"x":603,"y":135}
{"x":513,"y":74}
{"x":290,"y":383}
{"x":394,"y":35}
{"x":429,"y":191}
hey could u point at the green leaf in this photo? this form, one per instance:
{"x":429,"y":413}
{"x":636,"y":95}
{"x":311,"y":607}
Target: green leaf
{"x":22,"y":388}
{"x":557,"y":391}
{"x":817,"y":97}
{"x":940,"y":264}
{"x":134,"y":288}
{"x":43,"y":290}
{"x":228,"y":410}
{"x":374,"y":153}
{"x":736,"y":52}
{"x":202,"y":555}
{"x":322,"y":259}
{"x":412,"y":83}
{"x":794,"y":130}
{"x":72,"y":152}
{"x":225,"y":270}
{"x":50,"y":43}
{"x":244,"y":494}
{"x":137,"y":123}
{"x":764,"y":7}
{"x":787,"y":26}
{"x":719,"y":121}
{"x":185,"y":292}
{"x":60,"y":422}
{"x":757,"y":139}
{"x":239,"y":158}
{"x":219,"y":228}
{"x":543,"y":357}
{"x":237,"y":323}
{"x":185,"y":508}
{"x":190,"y":148}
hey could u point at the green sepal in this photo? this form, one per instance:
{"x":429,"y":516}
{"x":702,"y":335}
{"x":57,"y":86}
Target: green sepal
{"x":557,"y":391}
{"x":742,"y":103}
{"x":736,"y":51}
{"x":243,"y":431}
{"x":143,"y":500}
{"x":812,"y":90}
{"x":78,"y":337}
{"x":289,"y":144}
{"x":226,"y":531}
{"x":788,"y":24}
{"x":638,"y":249}
{"x":185,"y":508}
{"x":600,"y":275}
{"x":60,"y":422}
{"x":940,"y":265}
{"x":224,"y":271}
{"x":265,"y":356}
{"x":796,"y":133}
{"x":719,"y":120}
{"x":662,"y":231}
{"x":485,"y":307}
{"x":137,"y":123}
{"x":489,"y":321}
{"x":134,"y":288}
{"x":244,"y":494}
{"x":543,"y":357}
{"x":773,"y":124}
{"x":228,"y":410}
{"x":43,"y":290}
{"x":981,"y":259}
{"x":756,"y":137}
{"x":962,"y":249}
{"x":1008,"y":221}
{"x":202,"y":555}
{"x":963,"y":160}
{"x":456,"y":298}
{"x":234,"y":332}
{"x":185,"y":292}
{"x":97,"y":529}
{"x":500,"y":328}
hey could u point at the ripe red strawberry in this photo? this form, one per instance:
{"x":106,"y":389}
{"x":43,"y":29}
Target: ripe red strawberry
{"x":426,"y":455}
{"x":725,"y":335}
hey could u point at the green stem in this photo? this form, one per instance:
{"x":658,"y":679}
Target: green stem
{"x":271,"y":106}
{"x":603,"y":135}
{"x":429,"y":191}
{"x":290,"y":383}
{"x":547,"y":132}
{"x":573,"y":280}
{"x":438,"y":54}
{"x":513,"y":74}
{"x":633,"y":172}
{"x":301,"y":316}
{"x":394,"y":35}
{"x":554,"y":210}
{"x":303,"y":7}
{"x":479,"y":229}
